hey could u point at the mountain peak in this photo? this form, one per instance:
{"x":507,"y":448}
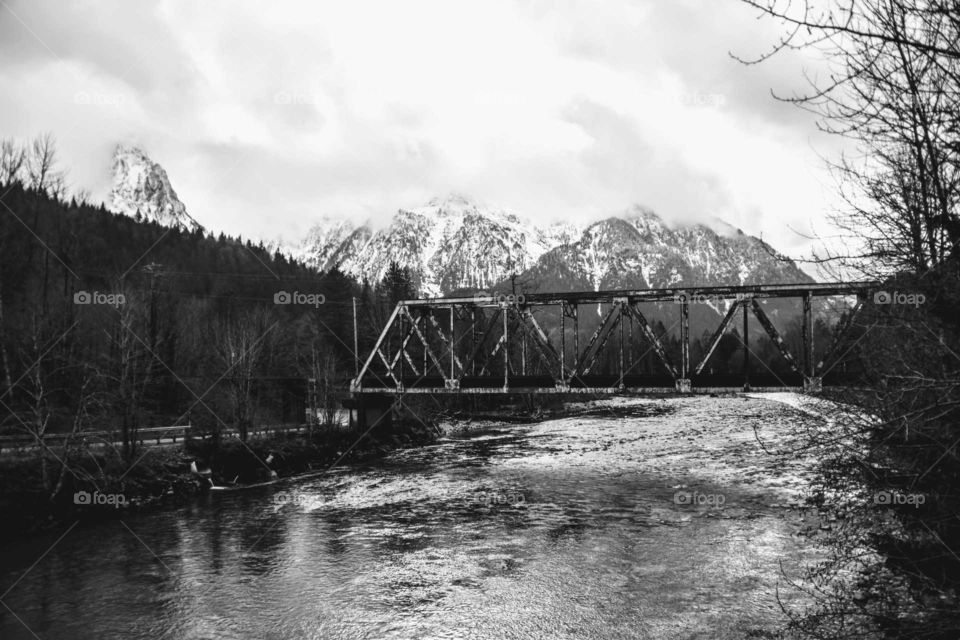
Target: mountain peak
{"x":141,"y":185}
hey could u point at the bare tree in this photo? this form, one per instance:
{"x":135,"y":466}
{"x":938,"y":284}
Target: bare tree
{"x":239,"y":342}
{"x":12,"y":158}
{"x":894,"y":88}
{"x":131,"y":364}
{"x":41,"y":164}
{"x":53,"y":392}
{"x":325,"y":373}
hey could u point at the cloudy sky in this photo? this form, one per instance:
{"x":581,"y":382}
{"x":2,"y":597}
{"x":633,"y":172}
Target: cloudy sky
{"x":268,"y":116}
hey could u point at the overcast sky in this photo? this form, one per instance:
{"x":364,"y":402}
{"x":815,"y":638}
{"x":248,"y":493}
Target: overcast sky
{"x":269,"y":115}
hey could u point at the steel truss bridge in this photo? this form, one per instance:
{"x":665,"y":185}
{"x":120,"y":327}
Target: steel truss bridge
{"x":495,"y":344}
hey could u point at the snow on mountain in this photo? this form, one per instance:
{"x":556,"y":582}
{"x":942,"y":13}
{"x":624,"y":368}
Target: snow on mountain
{"x":323,"y":243}
{"x":454,"y":243}
{"x":450,"y":243}
{"x":638,"y":250}
{"x":139,"y":184}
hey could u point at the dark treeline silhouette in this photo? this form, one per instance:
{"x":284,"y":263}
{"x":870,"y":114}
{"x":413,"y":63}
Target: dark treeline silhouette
{"x":108,"y":322}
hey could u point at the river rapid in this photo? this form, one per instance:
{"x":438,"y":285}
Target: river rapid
{"x":638,"y":518}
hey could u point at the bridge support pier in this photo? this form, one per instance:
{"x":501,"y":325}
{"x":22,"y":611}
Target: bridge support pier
{"x":369,"y":409}
{"x":813,"y":384}
{"x":683,"y":385}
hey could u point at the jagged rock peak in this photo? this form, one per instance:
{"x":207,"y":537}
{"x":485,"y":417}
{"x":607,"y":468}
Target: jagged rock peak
{"x":141,"y":185}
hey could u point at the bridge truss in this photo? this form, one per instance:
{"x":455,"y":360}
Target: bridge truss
{"x":489,"y":344}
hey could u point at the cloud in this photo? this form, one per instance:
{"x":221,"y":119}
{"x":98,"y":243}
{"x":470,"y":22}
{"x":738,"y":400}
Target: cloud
{"x":267,"y":120}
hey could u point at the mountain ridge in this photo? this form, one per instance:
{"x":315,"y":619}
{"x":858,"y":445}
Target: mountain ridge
{"x":454,"y":244}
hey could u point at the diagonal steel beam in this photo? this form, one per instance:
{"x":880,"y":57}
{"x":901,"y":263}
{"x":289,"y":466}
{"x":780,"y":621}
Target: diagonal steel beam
{"x":843,"y":328}
{"x":447,"y":343}
{"x":403,"y":347}
{"x":717,"y":335}
{"x":406,"y":356}
{"x":426,"y":345}
{"x":540,"y":342}
{"x":496,"y":348}
{"x":599,"y":339}
{"x":543,"y":337}
{"x":774,"y":335}
{"x":376,"y":346}
{"x":386,"y":363}
{"x":652,"y":338}
{"x":479,"y":348}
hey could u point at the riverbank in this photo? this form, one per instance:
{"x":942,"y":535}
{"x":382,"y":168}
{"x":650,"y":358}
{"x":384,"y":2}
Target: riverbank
{"x":96,"y":484}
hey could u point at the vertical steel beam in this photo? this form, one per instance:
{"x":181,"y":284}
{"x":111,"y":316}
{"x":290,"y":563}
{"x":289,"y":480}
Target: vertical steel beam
{"x":453,"y":373}
{"x":620,"y":383}
{"x":506,"y":350}
{"x":563,"y":342}
{"x":684,"y":338}
{"x":746,"y":346}
{"x":576,"y":336}
{"x":473,"y":342}
{"x":523,"y":348}
{"x":807,"y":335}
{"x":683,"y":382}
{"x":811,"y":383}
{"x":403,"y":345}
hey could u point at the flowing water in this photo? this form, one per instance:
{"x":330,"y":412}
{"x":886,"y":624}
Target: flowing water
{"x":639,"y":519}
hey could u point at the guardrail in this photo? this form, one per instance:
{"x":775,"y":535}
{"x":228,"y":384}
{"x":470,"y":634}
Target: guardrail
{"x":147,"y":435}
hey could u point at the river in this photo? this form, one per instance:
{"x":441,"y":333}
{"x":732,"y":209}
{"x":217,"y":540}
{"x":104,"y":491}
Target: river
{"x":663,"y":518}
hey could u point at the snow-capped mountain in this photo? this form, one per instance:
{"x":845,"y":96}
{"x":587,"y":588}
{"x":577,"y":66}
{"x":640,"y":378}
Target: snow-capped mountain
{"x":450,"y":243}
{"x":454,"y":243}
{"x":638,"y":250}
{"x":140,"y":184}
